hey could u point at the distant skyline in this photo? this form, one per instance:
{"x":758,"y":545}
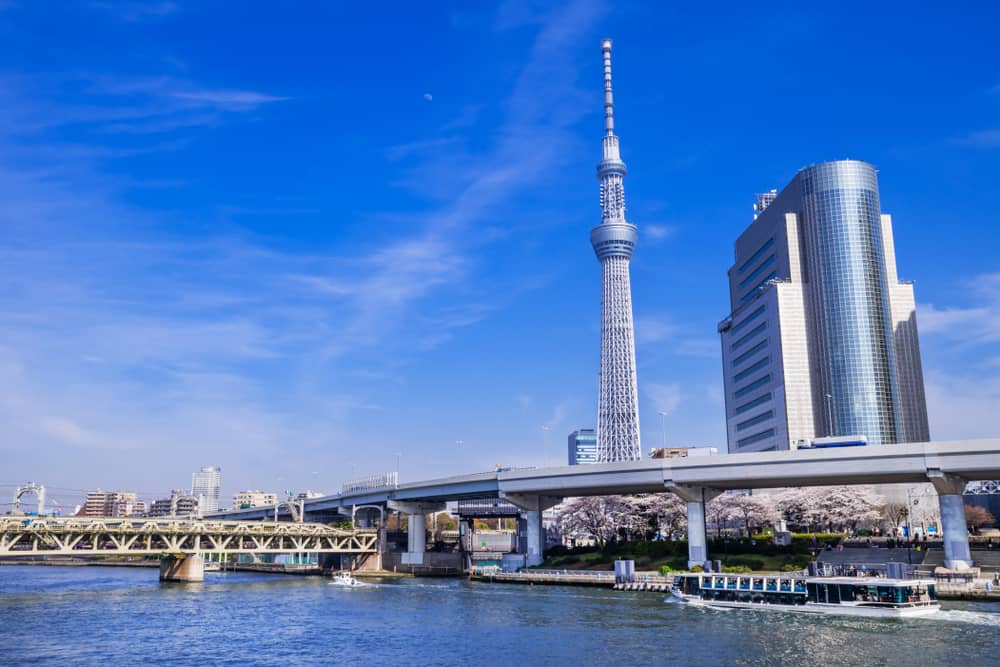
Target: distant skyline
{"x":300,"y":251}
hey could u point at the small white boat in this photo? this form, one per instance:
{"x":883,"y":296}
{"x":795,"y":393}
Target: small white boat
{"x":854,"y":596}
{"x":344,"y":578}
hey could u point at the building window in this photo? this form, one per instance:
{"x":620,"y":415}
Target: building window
{"x":756,"y":272}
{"x":760,"y":400}
{"x":753,"y":421}
{"x":752,"y":368}
{"x":749,"y":295}
{"x":756,"y":437}
{"x":756,"y":255}
{"x":749,"y":318}
{"x":756,"y":384}
{"x":749,"y":353}
{"x":748,"y":337}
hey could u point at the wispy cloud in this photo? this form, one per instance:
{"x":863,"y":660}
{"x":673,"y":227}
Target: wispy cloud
{"x":654,"y":329}
{"x":665,"y":397}
{"x":117,"y":103}
{"x":665,"y":333}
{"x":980,"y":139}
{"x":658,"y":232}
{"x":135,"y":11}
{"x":970,"y":325}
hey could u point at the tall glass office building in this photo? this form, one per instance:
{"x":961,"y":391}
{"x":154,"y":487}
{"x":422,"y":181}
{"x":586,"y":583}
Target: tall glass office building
{"x":822,"y":337}
{"x":582,"y":446}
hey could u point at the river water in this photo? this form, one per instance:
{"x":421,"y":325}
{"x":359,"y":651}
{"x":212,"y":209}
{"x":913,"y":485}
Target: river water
{"x":124,"y":616}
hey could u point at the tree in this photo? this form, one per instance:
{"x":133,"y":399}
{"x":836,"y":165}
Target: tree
{"x":843,"y":507}
{"x":670,"y":512}
{"x":830,"y":507}
{"x":717,"y":512}
{"x":978,"y":517}
{"x":749,"y":510}
{"x":601,"y":517}
{"x":895,"y":514}
{"x":798,"y":507}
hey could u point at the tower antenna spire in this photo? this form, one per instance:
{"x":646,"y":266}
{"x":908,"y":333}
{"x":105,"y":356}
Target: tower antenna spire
{"x":609,"y":100}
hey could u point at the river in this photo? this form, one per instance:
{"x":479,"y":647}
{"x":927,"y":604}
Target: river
{"x":125,"y":616}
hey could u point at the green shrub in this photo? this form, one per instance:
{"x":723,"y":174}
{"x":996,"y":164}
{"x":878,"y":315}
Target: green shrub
{"x":665,"y":570}
{"x":832,"y":539}
{"x":744,"y":561}
{"x":790,"y":567}
{"x":736,"y":569}
{"x":697,"y":568}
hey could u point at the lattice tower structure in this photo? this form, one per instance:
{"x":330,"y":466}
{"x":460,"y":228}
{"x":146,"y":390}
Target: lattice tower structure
{"x":614,"y":240}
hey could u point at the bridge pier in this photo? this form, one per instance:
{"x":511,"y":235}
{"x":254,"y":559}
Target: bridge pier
{"x":534,"y":533}
{"x":181,"y":567}
{"x":950,"y":488}
{"x":416,"y":528}
{"x":695,"y":497}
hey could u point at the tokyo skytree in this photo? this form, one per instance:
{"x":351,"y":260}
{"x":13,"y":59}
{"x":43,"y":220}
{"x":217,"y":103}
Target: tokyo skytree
{"x":613,"y":241}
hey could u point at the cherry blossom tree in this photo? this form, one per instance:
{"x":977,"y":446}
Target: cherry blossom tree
{"x":601,"y":517}
{"x":978,"y":517}
{"x":749,"y":511}
{"x":831,"y":507}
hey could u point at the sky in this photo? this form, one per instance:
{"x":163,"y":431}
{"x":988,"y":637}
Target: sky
{"x":309,"y":242}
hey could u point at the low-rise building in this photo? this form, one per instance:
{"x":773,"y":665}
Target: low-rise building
{"x":112,"y":504}
{"x":178,"y":504}
{"x":245,"y":499}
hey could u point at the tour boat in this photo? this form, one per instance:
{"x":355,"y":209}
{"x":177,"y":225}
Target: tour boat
{"x":856,"y":596}
{"x":345,"y":578}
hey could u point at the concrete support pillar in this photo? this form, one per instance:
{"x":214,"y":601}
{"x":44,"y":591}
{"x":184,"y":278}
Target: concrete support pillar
{"x":182,"y":568}
{"x":696,"y":534}
{"x":532,"y":506}
{"x":416,"y":537}
{"x":535,"y":552}
{"x":696,"y":497}
{"x":950,"y":488}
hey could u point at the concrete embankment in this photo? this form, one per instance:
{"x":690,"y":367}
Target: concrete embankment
{"x":549,"y":577}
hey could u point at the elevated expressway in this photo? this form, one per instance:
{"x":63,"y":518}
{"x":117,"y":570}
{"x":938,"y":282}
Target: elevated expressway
{"x":183,"y":542}
{"x":949,"y":465}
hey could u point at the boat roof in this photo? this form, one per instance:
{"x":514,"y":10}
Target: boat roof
{"x":857,"y":581}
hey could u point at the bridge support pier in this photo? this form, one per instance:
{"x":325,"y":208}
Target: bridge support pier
{"x":534,"y":532}
{"x":695,"y":497}
{"x":416,"y":528}
{"x":182,"y":568}
{"x":950,"y":488}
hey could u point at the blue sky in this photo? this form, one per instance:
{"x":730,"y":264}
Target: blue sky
{"x":295,"y":242}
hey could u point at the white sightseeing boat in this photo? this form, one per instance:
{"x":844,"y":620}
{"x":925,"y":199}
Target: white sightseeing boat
{"x":345,"y":578}
{"x":856,"y":596}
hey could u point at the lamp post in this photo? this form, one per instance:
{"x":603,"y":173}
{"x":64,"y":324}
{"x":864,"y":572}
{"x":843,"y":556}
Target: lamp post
{"x":663,"y":427}
{"x":398,"y":454}
{"x":829,"y":414}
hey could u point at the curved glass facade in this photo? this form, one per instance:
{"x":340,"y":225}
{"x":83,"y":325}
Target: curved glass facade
{"x":840,"y":207}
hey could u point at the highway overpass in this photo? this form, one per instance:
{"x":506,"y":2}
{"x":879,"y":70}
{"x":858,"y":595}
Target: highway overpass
{"x":947,"y":464}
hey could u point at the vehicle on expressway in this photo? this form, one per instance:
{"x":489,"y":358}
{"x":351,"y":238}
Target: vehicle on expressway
{"x":833,"y":441}
{"x":854,"y":596}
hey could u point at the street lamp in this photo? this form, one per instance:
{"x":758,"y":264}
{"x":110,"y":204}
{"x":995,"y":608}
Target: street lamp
{"x":663,"y":427}
{"x":829,"y":414}
{"x":398,"y":454}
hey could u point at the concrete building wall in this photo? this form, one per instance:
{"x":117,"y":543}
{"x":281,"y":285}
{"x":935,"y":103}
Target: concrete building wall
{"x":909,"y":370}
